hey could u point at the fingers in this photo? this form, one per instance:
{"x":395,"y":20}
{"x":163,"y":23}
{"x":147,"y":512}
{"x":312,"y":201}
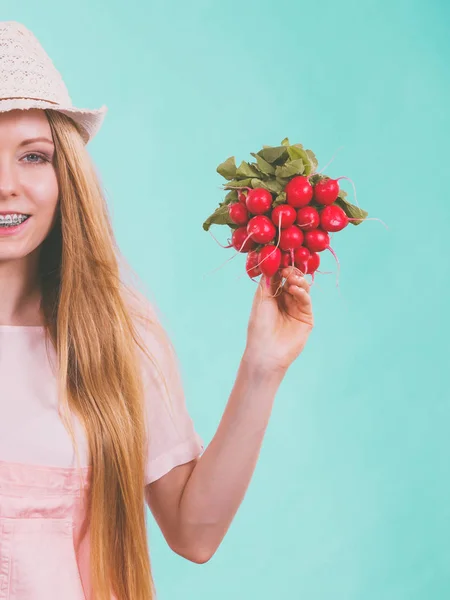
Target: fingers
{"x":295,"y":279}
{"x":296,"y":289}
{"x":291,"y":272}
{"x":299,"y":294}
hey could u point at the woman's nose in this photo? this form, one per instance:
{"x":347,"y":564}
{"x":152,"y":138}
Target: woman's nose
{"x":9,"y":183}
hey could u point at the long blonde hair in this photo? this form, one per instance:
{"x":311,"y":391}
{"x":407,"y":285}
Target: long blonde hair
{"x":93,"y":331}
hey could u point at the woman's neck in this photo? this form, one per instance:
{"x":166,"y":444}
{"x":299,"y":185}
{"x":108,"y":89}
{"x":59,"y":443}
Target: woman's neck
{"x":20,"y":295}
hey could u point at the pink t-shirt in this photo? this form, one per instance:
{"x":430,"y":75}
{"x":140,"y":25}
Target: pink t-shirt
{"x":39,"y":484}
{"x":32,"y":432}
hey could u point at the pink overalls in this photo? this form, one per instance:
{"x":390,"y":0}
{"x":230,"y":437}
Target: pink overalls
{"x":40,"y":517}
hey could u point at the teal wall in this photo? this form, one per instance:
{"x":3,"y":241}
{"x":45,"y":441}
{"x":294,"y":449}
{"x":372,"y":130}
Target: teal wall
{"x":350,"y":499}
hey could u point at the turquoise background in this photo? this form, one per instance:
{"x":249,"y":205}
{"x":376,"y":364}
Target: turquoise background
{"x":350,"y":499}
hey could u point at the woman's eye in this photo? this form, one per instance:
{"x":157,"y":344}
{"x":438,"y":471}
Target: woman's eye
{"x":35,"y":158}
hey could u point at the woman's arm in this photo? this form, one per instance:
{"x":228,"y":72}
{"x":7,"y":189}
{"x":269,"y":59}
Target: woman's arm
{"x":194,"y":504}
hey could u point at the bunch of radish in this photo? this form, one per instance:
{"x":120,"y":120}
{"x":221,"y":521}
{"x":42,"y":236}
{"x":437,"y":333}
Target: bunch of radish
{"x":281,"y":211}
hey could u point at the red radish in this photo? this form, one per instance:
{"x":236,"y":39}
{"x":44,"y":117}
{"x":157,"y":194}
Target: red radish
{"x":308,"y":218}
{"x":333,"y":218}
{"x":284,"y":215}
{"x":242,"y":197}
{"x":317,"y":240}
{"x":313,"y":263}
{"x":252,"y":264}
{"x":301,"y":256}
{"x":269,"y":260}
{"x":299,"y":191}
{"x":241,"y":241}
{"x":238,"y":213}
{"x":258,"y":201}
{"x":326,"y":191}
{"x":261,"y":229}
{"x":286,"y":260}
{"x":291,"y":238}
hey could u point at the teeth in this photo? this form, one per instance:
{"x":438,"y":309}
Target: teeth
{"x":12,"y":219}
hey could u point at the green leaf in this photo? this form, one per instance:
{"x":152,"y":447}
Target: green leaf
{"x":283,"y":182}
{"x":278,"y":154}
{"x":285,"y":142}
{"x":312,"y":159}
{"x":316,"y":178}
{"x":228,"y":168}
{"x":352,"y":212}
{"x":256,"y":183}
{"x":273,"y":185}
{"x":265,"y":167}
{"x":343,"y":194}
{"x":280,"y":199}
{"x":291,"y":169}
{"x":241,"y":183}
{"x":245,"y":170}
{"x":220,"y":216}
{"x":231,"y":197}
{"x":297,"y":151}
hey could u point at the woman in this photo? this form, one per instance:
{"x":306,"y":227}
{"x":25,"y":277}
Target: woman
{"x":92,"y":415}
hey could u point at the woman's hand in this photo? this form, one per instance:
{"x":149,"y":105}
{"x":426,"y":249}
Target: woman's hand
{"x":280,"y":321}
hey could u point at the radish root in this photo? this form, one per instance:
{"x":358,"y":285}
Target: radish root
{"x":328,"y":163}
{"x":338,"y":264}
{"x":371,"y":219}
{"x":217,"y":241}
{"x":353,"y":185}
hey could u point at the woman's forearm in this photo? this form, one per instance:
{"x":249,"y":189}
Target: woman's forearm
{"x":222,"y":475}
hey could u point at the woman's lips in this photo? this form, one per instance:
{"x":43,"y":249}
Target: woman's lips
{"x":13,"y":229}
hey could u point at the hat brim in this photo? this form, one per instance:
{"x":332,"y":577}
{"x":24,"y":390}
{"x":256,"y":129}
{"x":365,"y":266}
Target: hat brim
{"x":89,"y":121}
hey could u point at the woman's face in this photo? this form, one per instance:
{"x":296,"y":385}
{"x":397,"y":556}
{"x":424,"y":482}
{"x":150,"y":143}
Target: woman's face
{"x":28,"y":183}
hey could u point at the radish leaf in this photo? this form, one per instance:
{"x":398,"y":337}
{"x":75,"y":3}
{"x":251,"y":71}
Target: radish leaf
{"x":280,"y":199}
{"x":273,"y":185}
{"x":263,"y":166}
{"x":220,"y":216}
{"x":274,"y":155}
{"x":245,"y":170}
{"x":316,"y":178}
{"x":256,"y":183}
{"x":238,"y":183}
{"x":297,"y":152}
{"x":352,"y":212}
{"x":228,"y":168}
{"x":312,"y":159}
{"x":291,"y":169}
{"x":231,"y":197}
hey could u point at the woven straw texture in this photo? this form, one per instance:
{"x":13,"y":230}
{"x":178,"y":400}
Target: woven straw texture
{"x":29,"y":79}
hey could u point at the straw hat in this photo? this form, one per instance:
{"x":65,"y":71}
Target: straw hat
{"x":29,"y":79}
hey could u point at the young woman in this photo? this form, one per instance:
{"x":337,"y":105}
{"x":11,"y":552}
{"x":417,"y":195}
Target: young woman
{"x":93,"y":420}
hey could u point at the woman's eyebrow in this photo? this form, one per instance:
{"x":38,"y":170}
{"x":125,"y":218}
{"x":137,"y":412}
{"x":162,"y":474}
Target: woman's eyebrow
{"x":37,"y":139}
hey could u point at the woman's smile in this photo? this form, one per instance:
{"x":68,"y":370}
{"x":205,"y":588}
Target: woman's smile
{"x":12,"y":223}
